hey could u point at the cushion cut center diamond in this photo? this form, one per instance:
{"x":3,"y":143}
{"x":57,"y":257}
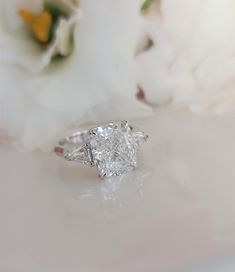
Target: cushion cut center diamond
{"x":114,"y":149}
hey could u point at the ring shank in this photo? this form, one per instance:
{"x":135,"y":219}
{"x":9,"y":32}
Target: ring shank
{"x":75,"y":140}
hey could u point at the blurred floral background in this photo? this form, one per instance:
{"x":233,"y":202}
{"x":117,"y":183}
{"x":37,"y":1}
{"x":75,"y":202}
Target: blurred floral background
{"x":67,"y":63}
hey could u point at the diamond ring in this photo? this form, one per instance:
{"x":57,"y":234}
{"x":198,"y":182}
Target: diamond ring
{"x":111,"y":148}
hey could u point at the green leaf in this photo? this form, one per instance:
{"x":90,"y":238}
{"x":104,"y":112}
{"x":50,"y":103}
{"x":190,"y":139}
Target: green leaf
{"x":146,"y":4}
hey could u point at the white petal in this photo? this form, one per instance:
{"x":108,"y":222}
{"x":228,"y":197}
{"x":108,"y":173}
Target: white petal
{"x":63,"y":41}
{"x":192,"y":63}
{"x":96,"y":83}
{"x":101,"y":66}
{"x":22,"y":52}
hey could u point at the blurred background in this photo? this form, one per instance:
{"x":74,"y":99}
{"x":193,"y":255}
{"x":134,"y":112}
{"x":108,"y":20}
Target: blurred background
{"x":65,"y":63}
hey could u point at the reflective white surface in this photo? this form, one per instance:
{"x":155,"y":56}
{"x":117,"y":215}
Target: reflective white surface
{"x":175,"y":213}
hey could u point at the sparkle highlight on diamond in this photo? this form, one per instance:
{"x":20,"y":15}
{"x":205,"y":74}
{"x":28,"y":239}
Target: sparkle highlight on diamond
{"x":114,"y":148}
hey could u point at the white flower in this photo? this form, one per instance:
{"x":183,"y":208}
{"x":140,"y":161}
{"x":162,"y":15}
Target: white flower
{"x":19,"y":48}
{"x":191,"y":63}
{"x":40,"y":98}
{"x":179,"y":53}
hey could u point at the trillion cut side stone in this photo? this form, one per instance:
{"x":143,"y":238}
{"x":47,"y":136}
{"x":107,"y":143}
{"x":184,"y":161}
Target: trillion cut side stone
{"x":139,"y":137}
{"x":81,"y":154}
{"x":114,"y":148}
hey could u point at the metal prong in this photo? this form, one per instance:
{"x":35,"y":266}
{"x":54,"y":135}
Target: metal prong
{"x":124,"y":122}
{"x":102,"y":176}
{"x":92,"y":132}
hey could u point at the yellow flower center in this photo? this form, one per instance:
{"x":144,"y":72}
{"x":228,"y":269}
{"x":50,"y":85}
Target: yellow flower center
{"x":40,"y":24}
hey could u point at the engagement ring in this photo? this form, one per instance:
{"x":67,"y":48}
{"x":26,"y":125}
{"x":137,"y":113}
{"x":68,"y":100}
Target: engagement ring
{"x":111,"y":148}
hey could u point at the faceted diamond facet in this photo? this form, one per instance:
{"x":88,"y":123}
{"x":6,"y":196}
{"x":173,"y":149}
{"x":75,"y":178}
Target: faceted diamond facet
{"x":114,"y":148}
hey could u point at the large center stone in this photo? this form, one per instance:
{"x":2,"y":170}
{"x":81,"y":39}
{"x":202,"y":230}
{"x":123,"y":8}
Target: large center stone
{"x":113,"y":149}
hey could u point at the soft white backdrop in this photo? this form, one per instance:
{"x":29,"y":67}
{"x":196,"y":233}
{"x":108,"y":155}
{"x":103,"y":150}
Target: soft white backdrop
{"x":190,"y":64}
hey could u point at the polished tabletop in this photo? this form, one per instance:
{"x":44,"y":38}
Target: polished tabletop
{"x":176,"y":212}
